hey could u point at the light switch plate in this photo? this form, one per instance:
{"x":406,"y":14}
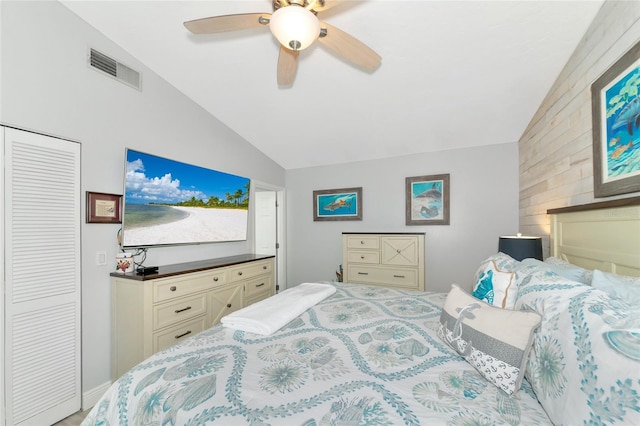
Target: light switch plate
{"x":101,"y":258}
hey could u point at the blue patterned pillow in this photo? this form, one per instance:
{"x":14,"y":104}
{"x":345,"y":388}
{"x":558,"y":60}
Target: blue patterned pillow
{"x":494,"y":341}
{"x":585,"y":362}
{"x":502,"y":261}
{"x":496,"y":287}
{"x":566,"y":269}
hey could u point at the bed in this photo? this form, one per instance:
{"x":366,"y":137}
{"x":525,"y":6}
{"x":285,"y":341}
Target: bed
{"x":382,"y":356}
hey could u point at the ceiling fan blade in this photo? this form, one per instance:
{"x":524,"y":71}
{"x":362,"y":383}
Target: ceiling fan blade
{"x":287,"y":66}
{"x":349,"y":47}
{"x":224,"y":23}
{"x":322,"y":5}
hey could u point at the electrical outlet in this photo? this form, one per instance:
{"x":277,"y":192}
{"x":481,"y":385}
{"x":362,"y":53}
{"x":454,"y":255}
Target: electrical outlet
{"x":101,"y":258}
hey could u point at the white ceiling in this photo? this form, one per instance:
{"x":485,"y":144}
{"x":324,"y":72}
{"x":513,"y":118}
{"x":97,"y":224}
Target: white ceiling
{"x":454,"y":73}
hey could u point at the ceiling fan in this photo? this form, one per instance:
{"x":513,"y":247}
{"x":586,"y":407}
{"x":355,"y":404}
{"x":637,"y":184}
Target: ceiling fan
{"x":296,"y":26}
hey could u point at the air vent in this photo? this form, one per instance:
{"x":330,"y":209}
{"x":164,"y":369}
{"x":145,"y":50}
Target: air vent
{"x":115,"y":69}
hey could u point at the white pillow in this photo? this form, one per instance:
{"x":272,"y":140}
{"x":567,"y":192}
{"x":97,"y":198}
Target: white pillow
{"x":620,"y":286}
{"x":556,"y":261}
{"x":503,"y":261}
{"x":496,"y":342}
{"x":496,"y":287}
{"x":562,"y":268}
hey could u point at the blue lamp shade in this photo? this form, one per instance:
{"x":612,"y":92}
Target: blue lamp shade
{"x":520,"y":247}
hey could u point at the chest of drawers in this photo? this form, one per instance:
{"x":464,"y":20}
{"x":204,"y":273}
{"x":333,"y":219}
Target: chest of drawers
{"x":386,"y":259}
{"x":153,"y":312}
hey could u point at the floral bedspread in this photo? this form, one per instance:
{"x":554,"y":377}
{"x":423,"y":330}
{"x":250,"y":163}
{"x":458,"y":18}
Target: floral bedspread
{"x":364,"y":356}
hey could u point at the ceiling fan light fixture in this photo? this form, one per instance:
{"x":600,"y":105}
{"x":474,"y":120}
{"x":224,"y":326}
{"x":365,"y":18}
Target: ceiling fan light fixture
{"x":295,"y":27}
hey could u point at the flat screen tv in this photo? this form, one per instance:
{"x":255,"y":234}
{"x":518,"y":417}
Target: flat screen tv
{"x":167,"y":202}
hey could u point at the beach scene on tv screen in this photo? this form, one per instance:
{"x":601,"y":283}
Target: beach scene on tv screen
{"x":170,"y":202}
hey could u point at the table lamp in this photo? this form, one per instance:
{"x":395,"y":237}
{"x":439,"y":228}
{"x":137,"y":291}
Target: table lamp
{"x":521,"y":247}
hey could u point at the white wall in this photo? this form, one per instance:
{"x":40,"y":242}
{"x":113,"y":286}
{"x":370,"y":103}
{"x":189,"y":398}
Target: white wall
{"x":484,"y":205}
{"x":47,"y":87}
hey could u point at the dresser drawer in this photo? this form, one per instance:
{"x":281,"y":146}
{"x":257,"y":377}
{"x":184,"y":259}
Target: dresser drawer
{"x":371,"y":257}
{"x":250,"y":270}
{"x":259,"y":298}
{"x":172,"y":312}
{"x":258,"y":286}
{"x":363,"y":242}
{"x":172,"y":288}
{"x":400,"y":251}
{"x":177,"y":333}
{"x":405,"y":278}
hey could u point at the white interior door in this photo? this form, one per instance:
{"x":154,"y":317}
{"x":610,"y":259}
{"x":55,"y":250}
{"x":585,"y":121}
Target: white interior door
{"x":41,"y":281}
{"x":266,"y":222}
{"x":269,"y":227}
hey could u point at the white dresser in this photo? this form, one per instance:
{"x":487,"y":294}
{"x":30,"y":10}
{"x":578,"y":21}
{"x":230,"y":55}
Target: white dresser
{"x":153,"y":312}
{"x":386,"y":259}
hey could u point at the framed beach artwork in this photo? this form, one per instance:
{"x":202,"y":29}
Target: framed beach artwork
{"x":337,"y":204}
{"x":616,"y":127}
{"x":170,"y":202}
{"x":427,"y":200}
{"x":103,"y":208}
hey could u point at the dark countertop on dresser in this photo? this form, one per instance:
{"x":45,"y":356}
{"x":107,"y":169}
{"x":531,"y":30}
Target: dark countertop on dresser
{"x":189,"y":267}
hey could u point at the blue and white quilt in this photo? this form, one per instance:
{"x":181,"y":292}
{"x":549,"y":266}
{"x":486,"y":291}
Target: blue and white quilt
{"x":364,"y":356}
{"x":585,"y":362}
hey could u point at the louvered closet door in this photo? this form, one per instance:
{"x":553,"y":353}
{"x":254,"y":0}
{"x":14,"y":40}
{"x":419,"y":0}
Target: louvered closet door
{"x":42,"y":278}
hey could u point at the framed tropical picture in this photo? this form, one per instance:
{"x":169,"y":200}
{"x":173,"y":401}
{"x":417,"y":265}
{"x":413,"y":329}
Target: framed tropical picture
{"x":427,"y":200}
{"x":337,"y":204}
{"x":616,"y":127}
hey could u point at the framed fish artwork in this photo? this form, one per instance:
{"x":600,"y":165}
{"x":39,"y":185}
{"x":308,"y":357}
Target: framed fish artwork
{"x":427,"y":200}
{"x":615,"y":98}
{"x":337,"y":204}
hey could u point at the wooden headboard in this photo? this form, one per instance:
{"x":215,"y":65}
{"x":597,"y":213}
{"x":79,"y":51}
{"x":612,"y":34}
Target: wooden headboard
{"x":603,"y":236}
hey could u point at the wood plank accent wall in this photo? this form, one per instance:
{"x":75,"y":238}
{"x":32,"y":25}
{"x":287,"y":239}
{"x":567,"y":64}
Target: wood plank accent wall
{"x":555,"y":151}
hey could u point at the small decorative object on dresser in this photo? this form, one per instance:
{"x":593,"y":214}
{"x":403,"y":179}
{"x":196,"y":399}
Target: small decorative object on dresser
{"x":153,"y":312}
{"x":124,"y":262}
{"x":386,"y":259}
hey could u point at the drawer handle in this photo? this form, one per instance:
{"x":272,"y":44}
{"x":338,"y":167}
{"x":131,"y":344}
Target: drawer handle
{"x":398,"y":276}
{"x":363,"y":273}
{"x":361,"y":257}
{"x":215,"y":278}
{"x":228,"y":305}
{"x":264,"y":267}
{"x":173,"y":288}
{"x":240,"y":273}
{"x":183,"y":309}
{"x":361,"y":242}
{"x":183,"y":334}
{"x":259,"y":285}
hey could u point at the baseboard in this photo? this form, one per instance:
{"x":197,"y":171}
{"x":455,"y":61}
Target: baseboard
{"x":91,"y":397}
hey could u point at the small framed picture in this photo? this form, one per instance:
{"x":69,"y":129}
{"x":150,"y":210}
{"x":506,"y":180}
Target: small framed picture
{"x":337,"y":204}
{"x":103,"y":208}
{"x":427,"y":200}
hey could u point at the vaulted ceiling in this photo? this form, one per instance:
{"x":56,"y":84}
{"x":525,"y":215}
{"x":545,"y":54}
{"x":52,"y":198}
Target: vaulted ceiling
{"x":454,"y":74}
